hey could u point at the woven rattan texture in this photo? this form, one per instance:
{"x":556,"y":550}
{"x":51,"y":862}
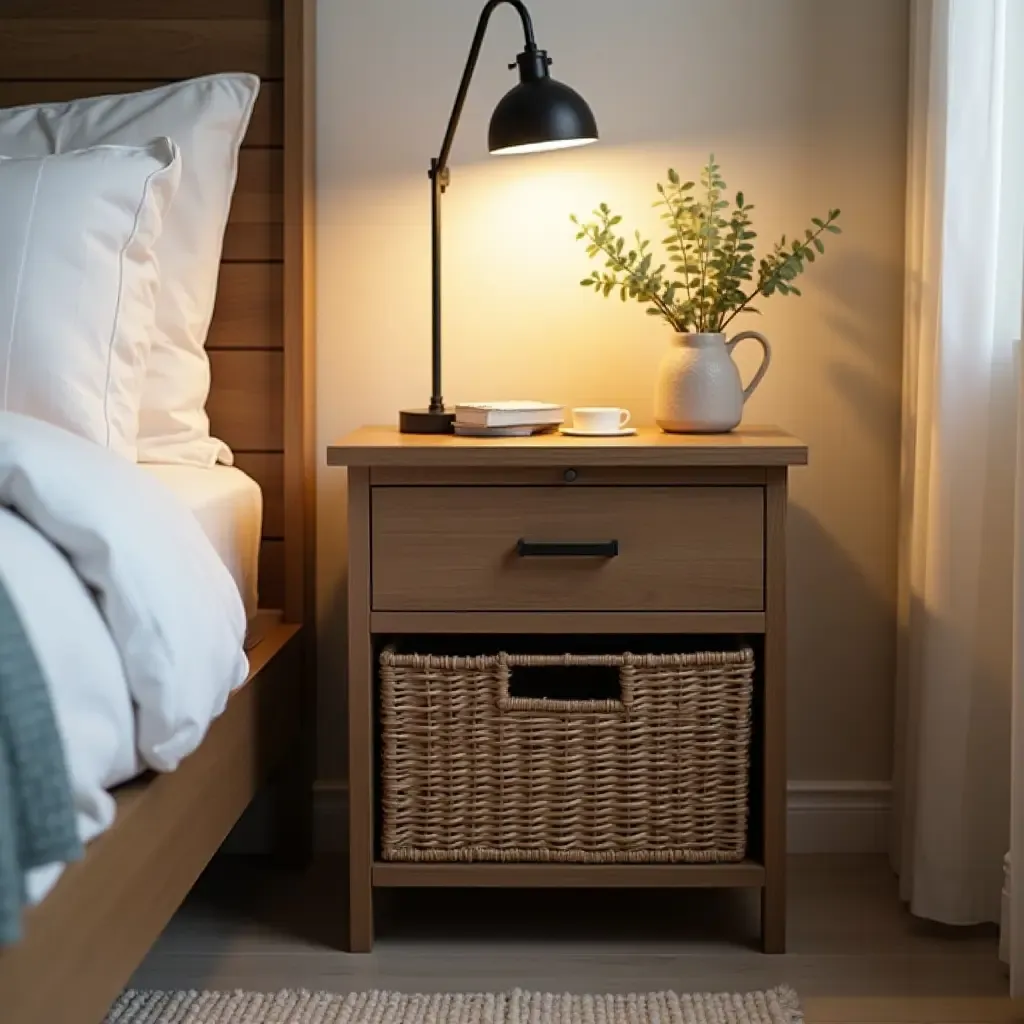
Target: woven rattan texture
{"x":470,"y":773}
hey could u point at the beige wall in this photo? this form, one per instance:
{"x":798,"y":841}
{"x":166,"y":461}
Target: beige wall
{"x":803,"y":103}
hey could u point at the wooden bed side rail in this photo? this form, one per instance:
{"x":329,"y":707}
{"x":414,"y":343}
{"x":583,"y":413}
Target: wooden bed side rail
{"x":85,"y":939}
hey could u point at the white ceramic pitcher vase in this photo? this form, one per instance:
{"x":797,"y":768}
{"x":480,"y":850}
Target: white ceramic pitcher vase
{"x":699,"y":390}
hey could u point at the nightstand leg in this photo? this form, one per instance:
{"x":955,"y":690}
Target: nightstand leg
{"x":773,"y":897}
{"x":360,"y":915}
{"x":360,"y":718}
{"x":360,"y":857}
{"x":773,"y":916}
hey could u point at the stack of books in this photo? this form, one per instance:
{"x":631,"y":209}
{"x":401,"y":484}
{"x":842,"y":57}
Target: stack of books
{"x":507,"y":419}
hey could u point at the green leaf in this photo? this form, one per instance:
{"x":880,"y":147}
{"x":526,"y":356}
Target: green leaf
{"x":834,"y":229}
{"x":817,"y":222}
{"x":653,"y":312}
{"x":673,"y":176}
{"x":819,"y":245}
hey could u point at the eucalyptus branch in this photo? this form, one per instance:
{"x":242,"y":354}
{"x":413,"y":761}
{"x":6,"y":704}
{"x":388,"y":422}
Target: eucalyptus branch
{"x":641,"y":286}
{"x":704,"y":248}
{"x":673,"y":210}
{"x":730,"y":253}
{"x":710,"y":249}
{"x":790,"y":266}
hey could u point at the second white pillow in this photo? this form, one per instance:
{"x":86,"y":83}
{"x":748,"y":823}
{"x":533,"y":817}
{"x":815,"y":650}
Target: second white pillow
{"x":78,"y":284}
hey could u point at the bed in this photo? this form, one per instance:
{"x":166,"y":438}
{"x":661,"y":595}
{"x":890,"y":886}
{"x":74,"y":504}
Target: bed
{"x":85,"y":938}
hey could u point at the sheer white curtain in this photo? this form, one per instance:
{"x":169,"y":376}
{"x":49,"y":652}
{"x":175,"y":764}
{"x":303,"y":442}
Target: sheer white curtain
{"x":964,"y":235}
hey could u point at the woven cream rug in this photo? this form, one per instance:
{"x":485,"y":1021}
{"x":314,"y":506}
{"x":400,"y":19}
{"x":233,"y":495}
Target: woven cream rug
{"x":779,"y":1006}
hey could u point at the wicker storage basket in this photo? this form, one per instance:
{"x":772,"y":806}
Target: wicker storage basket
{"x":471,"y":773}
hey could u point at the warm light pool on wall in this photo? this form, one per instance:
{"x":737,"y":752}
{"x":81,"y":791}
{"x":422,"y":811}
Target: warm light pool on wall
{"x":539,"y":114}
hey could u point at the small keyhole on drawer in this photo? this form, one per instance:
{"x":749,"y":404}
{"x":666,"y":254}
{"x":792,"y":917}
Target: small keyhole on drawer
{"x":570,"y":475}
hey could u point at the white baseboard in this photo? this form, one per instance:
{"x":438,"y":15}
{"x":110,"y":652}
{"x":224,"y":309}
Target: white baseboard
{"x":824,"y":817}
{"x":839,"y":817}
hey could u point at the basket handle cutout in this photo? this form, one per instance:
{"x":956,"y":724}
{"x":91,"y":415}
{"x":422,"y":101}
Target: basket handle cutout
{"x":565,"y":687}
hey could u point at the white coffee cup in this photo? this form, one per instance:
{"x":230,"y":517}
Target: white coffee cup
{"x":599,"y":419}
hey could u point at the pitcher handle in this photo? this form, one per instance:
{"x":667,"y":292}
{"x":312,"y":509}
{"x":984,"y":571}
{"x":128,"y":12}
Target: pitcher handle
{"x":765,"y":363}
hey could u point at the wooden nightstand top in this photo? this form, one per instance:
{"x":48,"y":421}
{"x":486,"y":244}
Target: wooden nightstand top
{"x":747,"y":446}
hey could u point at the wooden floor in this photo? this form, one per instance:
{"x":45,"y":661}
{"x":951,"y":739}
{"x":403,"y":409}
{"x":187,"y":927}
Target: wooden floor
{"x":855,"y":954}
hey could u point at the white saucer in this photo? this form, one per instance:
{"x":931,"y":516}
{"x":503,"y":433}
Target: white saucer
{"x":576,"y":432}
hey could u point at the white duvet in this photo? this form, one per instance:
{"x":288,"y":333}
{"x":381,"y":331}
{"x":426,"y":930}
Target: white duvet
{"x":138,"y":626}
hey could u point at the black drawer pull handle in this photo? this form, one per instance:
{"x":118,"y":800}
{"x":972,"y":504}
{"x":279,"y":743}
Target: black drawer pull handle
{"x":566,"y":549}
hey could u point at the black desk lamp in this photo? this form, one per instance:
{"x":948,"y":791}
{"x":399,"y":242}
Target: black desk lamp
{"x":538,"y":114}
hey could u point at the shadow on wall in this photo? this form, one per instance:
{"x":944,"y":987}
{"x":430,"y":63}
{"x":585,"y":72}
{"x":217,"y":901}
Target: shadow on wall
{"x":829,"y":633}
{"x":852,"y":282}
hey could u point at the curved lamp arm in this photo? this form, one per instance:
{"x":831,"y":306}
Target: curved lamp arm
{"x":439,"y":177}
{"x":439,"y":167}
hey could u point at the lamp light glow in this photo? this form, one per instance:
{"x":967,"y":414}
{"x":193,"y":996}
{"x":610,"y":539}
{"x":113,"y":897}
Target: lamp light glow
{"x":538,"y":115}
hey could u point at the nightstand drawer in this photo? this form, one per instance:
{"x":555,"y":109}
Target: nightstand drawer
{"x":568,"y":548}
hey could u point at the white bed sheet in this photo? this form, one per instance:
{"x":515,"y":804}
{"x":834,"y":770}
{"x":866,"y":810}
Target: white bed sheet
{"x":229,"y":507}
{"x":80,"y":534}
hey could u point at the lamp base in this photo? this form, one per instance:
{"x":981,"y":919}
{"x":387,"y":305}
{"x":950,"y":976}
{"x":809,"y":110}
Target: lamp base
{"x":426,"y":421}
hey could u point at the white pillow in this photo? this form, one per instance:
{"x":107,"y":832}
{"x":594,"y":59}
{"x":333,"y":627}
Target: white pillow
{"x":171,"y":606}
{"x":78,"y":284}
{"x":207,"y":118}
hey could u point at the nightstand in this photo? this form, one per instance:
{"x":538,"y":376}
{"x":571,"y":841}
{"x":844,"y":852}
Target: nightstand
{"x":674,"y":534}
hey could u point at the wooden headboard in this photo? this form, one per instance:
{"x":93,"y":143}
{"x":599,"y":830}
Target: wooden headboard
{"x":261,"y":341}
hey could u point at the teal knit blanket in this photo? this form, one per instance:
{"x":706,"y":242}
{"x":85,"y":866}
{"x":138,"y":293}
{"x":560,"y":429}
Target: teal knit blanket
{"x":37,"y":817}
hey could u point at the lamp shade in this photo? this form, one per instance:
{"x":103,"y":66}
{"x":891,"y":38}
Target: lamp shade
{"x":540,"y":114}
